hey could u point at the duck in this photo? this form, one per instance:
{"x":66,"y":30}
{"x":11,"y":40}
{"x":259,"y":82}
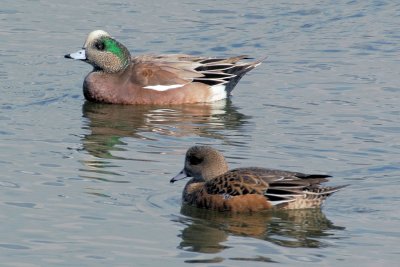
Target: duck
{"x":248,"y":189}
{"x":119,"y":78}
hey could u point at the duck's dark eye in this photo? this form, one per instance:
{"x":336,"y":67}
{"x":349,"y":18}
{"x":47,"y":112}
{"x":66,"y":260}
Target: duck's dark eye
{"x":195,"y":160}
{"x":99,"y":46}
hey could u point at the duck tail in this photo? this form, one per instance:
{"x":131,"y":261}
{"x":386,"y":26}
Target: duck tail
{"x":323,"y":192}
{"x":227,"y":71}
{"x":239,"y":71}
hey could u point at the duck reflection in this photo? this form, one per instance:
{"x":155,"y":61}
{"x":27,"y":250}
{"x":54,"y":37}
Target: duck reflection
{"x":109,"y":123}
{"x":206,"y":230}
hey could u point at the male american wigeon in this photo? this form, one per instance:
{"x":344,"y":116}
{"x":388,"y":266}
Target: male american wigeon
{"x":118,"y":78}
{"x":250,"y":189}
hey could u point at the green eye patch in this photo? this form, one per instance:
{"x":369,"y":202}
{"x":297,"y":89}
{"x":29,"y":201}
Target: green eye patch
{"x":113,"y":47}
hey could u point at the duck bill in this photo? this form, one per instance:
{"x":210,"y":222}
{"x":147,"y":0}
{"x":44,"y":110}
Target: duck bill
{"x":80,"y":55}
{"x":181,"y":175}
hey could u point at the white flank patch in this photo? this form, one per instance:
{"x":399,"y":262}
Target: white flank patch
{"x":278,"y":202}
{"x":217,"y":92}
{"x":163,"y":87}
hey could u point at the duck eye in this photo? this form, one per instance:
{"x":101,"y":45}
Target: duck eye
{"x":195,"y":160}
{"x":99,"y":46}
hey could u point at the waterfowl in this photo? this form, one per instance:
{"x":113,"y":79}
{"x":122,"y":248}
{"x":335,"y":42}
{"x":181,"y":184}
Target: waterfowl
{"x":118,"y":78}
{"x":213,"y":186}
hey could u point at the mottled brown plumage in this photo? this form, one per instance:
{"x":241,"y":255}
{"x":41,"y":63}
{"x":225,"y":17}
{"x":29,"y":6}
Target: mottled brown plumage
{"x":214,"y":187}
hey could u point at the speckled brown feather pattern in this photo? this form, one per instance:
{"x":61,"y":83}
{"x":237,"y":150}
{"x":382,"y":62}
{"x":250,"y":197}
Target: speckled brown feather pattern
{"x":247,"y":189}
{"x":236,"y":182}
{"x":199,"y":197}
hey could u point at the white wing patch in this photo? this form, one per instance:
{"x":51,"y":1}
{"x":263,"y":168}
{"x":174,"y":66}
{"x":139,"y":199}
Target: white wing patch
{"x":164,"y":87}
{"x":217,"y":91}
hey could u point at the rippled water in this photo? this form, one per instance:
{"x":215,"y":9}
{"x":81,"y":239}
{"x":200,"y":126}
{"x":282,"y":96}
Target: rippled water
{"x":86,"y":184}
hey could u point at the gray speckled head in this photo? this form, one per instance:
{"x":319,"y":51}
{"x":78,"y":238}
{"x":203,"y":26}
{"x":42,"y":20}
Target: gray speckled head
{"x":204,"y":163}
{"x":105,"y":53}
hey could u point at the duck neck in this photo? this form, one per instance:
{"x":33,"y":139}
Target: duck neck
{"x":218,"y":166}
{"x":124,"y":60}
{"x":122,"y":57}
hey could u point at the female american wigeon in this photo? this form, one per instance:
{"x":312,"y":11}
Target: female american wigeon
{"x":215,"y":187}
{"x":118,"y":78}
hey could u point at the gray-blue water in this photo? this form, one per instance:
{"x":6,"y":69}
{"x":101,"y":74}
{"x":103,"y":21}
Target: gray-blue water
{"x":88,"y":185}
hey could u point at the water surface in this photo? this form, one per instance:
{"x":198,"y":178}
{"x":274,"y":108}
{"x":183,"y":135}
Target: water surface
{"x":86,"y":184}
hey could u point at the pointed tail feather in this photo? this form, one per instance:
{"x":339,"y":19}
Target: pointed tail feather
{"x":298,"y":196}
{"x":228,"y":72}
{"x":240,"y":71}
